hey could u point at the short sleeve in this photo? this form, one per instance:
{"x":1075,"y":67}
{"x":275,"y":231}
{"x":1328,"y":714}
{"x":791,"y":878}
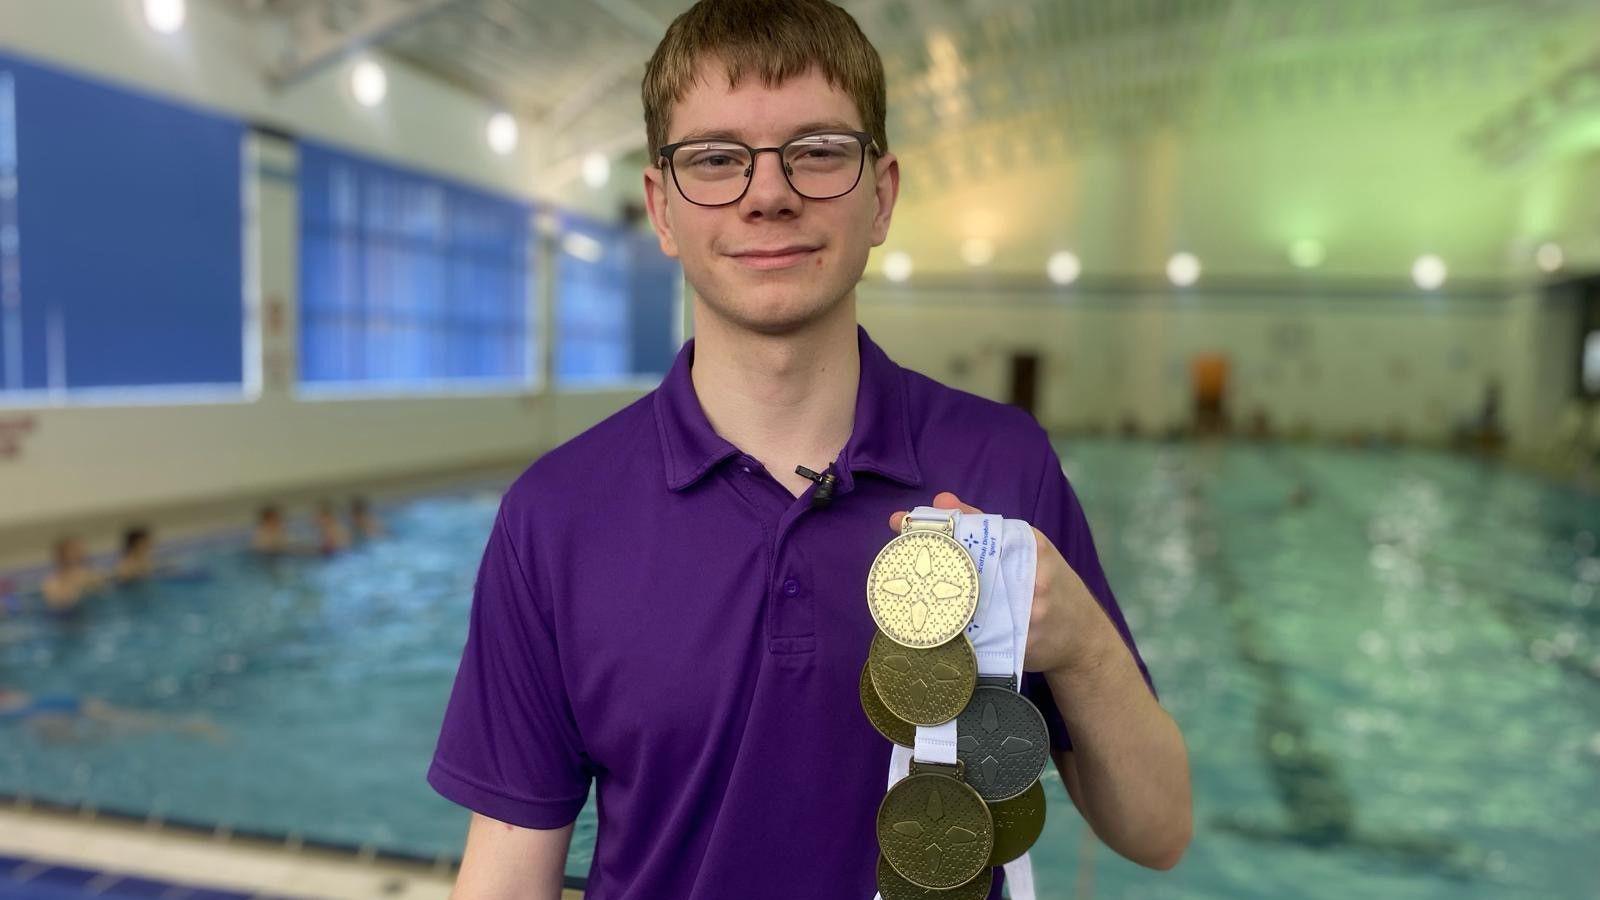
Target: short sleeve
{"x":509,"y":747}
{"x":1058,"y":514}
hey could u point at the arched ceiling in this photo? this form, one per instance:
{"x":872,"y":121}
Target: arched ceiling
{"x":1124,"y":129}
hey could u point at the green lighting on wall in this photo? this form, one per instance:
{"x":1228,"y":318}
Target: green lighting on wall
{"x":1307,"y":253}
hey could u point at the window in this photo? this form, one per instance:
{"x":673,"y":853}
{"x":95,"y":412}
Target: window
{"x":409,"y":282}
{"x":121,"y":244}
{"x":616,"y":305}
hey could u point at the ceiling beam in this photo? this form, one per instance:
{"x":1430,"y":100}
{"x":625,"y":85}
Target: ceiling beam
{"x":595,"y":88}
{"x":640,"y":20}
{"x":471,"y":84}
{"x":316,"y":41}
{"x":1528,"y":125}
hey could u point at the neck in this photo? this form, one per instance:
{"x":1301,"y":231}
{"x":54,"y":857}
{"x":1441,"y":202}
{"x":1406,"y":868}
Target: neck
{"x":787,"y":399}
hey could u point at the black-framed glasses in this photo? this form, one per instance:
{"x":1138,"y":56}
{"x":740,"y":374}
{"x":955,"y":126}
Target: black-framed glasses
{"x":718,"y":171}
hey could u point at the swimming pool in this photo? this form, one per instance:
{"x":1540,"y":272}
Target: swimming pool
{"x":1390,"y":689}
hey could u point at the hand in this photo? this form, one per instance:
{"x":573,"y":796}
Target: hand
{"x":1067,"y":629}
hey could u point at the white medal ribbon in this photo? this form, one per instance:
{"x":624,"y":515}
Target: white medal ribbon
{"x":1004,"y":551}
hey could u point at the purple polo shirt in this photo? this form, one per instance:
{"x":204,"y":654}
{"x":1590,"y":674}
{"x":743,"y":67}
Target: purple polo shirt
{"x":656,"y":611}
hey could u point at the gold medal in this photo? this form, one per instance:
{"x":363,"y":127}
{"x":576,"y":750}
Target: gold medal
{"x":922,"y":588}
{"x":934,"y":829}
{"x":1018,"y":822}
{"x":923,"y":687}
{"x":894,"y":886}
{"x":888,"y":724}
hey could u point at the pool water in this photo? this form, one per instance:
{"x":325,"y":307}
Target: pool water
{"x":1386,"y":666}
{"x":328,"y":678}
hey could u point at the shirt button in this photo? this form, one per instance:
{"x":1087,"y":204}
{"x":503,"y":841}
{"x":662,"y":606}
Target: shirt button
{"x":746,"y":469}
{"x":791,"y":587}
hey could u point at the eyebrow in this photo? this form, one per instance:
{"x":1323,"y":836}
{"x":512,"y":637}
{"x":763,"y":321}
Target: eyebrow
{"x":734,"y":134}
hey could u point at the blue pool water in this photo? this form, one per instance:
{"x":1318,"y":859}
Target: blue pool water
{"x":1391,"y":689}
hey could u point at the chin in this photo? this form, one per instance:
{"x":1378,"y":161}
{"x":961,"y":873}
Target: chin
{"x":776,"y":311}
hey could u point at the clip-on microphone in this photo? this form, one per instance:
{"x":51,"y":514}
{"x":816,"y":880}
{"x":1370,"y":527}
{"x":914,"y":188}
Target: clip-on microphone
{"x":825,"y":483}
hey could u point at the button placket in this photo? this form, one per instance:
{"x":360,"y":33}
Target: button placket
{"x":790,"y":616}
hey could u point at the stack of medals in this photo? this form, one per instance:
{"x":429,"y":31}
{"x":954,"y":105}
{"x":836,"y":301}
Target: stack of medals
{"x":972,"y":800}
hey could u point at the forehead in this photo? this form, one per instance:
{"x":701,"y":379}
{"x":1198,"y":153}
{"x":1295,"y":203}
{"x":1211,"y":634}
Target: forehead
{"x":755,"y":112}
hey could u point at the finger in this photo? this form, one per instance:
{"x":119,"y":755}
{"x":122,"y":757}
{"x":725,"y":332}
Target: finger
{"x":948,"y":500}
{"x":941,"y":500}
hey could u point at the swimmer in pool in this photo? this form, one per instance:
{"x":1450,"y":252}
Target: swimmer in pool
{"x":363,"y":524}
{"x":271,"y":537}
{"x":57,"y":715}
{"x":72,"y":578}
{"x":331,"y":534}
{"x":138,"y":560}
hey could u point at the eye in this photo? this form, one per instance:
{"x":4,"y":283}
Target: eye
{"x":712,"y":160}
{"x":825,"y":151}
{"x":821,"y":148}
{"x":711,"y":157}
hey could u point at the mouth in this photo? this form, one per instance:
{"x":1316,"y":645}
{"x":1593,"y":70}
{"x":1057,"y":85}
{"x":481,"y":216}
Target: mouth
{"x":776,"y":258}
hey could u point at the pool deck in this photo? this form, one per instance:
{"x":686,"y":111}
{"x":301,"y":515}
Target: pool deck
{"x":220,"y":862}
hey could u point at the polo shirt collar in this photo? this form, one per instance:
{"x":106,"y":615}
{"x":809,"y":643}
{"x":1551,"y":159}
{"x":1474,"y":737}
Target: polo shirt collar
{"x":880,"y":440}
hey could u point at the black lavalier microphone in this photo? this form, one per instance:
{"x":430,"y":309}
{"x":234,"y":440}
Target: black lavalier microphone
{"x":825,"y":482}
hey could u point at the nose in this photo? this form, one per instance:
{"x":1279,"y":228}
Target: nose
{"x":770,"y":195}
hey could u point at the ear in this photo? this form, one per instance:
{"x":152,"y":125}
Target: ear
{"x":887,"y":187}
{"x":655,"y":196}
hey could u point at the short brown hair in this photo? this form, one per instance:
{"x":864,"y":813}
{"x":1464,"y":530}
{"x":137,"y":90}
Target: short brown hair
{"x":774,"y":40}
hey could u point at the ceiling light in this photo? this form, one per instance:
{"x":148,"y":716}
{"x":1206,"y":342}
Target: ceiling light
{"x":897,"y":266}
{"x":368,"y":83}
{"x":596,"y":170}
{"x":1428,"y":271}
{"x":502,"y":133}
{"x":1549,"y":257}
{"x":1063,"y":267}
{"x":1183,"y":269}
{"x":164,"y":16}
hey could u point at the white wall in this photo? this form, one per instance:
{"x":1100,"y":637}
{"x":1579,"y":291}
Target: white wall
{"x":1328,"y":365}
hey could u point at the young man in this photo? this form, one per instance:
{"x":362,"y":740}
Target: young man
{"x":662,"y":611}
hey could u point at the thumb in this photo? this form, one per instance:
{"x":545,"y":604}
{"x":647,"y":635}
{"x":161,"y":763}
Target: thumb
{"x":941,"y":500}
